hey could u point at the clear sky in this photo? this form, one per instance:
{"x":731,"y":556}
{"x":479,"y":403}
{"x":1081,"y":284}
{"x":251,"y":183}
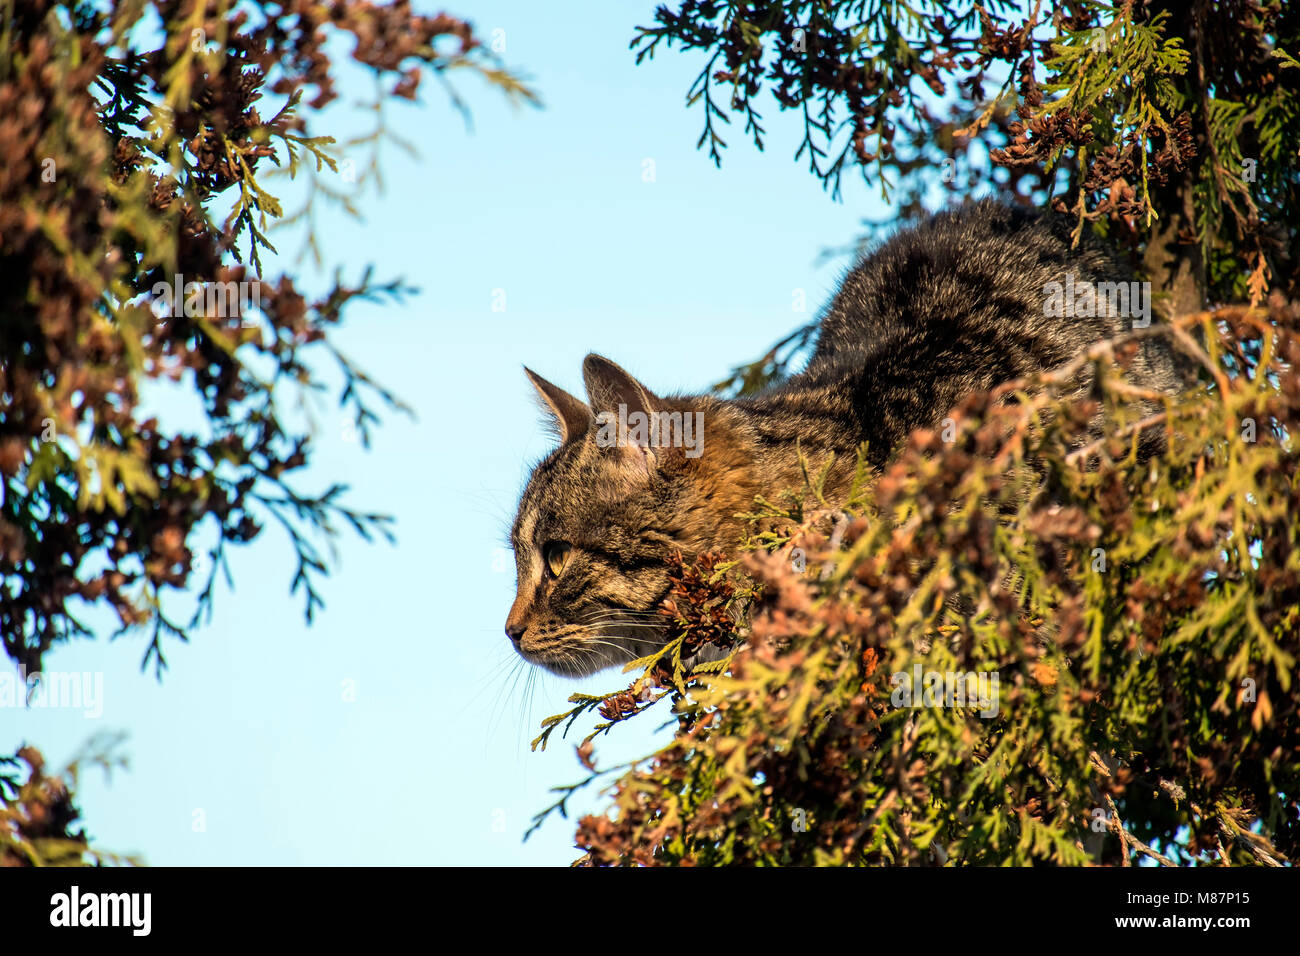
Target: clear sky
{"x":677,"y":279}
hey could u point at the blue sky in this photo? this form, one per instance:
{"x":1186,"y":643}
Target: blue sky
{"x":677,"y":279}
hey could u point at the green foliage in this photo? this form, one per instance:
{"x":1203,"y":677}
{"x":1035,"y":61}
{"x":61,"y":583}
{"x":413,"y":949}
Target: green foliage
{"x":134,"y":219}
{"x":1083,"y":106}
{"x":1151,"y":694}
{"x":1084,"y":65}
{"x":135,"y":158}
{"x":37,"y":812}
{"x":1134,"y":620}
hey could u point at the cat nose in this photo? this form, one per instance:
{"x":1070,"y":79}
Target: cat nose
{"x":517,"y":620}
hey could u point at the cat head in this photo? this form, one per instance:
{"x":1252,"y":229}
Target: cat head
{"x":628,"y":486}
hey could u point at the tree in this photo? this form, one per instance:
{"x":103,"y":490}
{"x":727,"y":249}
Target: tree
{"x":138,"y":140}
{"x":1013,"y":644}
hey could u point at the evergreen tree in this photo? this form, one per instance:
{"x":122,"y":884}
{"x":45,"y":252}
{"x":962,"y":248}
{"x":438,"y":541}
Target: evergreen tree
{"x":137,"y":143}
{"x":1014,"y":644}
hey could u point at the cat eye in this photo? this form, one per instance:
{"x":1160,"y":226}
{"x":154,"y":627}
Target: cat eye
{"x":556,"y":553}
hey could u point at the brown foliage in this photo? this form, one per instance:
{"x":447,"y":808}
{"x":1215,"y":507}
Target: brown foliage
{"x":114,"y":154}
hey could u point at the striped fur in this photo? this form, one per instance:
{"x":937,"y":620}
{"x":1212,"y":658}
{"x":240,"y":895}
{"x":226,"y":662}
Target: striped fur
{"x":949,"y":307}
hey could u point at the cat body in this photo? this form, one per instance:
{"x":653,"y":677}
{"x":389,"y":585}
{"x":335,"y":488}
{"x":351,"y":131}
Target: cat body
{"x":963,"y":302}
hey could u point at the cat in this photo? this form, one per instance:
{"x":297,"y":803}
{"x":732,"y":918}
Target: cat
{"x":968,"y":299}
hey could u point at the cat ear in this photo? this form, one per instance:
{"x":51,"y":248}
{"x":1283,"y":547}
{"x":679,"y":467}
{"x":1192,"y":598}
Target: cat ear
{"x":617,"y":398}
{"x":608,"y":387}
{"x":571,"y":415}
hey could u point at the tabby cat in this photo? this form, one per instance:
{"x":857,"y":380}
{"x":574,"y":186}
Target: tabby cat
{"x":960,"y":303}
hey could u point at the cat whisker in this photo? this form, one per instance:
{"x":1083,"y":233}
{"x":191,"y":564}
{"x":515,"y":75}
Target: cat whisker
{"x":622,"y":616}
{"x":605,"y":640}
{"x":599,"y":624}
{"x":590,"y":648}
{"x":508,"y":687}
{"x":659,"y":622}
